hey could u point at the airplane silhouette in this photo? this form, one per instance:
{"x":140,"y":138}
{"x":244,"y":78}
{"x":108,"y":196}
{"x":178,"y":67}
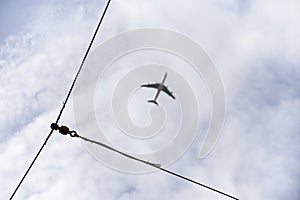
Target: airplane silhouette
{"x":160,"y":87}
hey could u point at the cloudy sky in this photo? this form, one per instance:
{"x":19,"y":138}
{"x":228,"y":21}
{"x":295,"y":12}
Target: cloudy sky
{"x":255,"y":46}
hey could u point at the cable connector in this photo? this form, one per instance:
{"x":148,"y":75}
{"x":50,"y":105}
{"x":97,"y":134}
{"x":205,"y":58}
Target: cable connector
{"x":64,"y":130}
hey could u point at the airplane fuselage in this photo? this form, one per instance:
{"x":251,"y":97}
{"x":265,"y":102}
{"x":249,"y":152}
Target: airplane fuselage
{"x":161,"y":86}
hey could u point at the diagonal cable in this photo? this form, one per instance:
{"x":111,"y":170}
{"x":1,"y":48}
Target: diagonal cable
{"x":158,"y":166}
{"x":66,"y":100}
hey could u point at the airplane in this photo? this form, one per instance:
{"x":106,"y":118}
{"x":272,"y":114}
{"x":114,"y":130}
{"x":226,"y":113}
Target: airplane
{"x":160,"y":87}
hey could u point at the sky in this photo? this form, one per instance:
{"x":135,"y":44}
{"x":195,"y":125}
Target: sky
{"x":255,"y":46}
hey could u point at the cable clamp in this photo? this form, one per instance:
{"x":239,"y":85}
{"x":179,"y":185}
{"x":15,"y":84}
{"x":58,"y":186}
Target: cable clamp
{"x":64,"y":130}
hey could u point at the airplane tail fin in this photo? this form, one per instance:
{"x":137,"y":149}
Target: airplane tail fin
{"x":153,"y":101}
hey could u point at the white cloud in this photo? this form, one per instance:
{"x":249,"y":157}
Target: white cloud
{"x":254,"y":44}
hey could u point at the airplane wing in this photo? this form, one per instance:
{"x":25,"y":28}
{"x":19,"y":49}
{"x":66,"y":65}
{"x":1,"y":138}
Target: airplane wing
{"x":168,"y":92}
{"x":151,"y":85}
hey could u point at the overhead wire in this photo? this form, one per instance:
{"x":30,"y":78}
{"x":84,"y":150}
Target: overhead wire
{"x":158,"y":166}
{"x":66,"y":131}
{"x":66,"y":100}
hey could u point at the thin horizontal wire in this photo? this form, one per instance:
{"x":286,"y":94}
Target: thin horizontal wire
{"x":158,"y":166}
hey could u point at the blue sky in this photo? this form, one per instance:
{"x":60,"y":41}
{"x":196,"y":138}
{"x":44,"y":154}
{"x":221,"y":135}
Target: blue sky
{"x":255,"y":46}
{"x":14,"y":15}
